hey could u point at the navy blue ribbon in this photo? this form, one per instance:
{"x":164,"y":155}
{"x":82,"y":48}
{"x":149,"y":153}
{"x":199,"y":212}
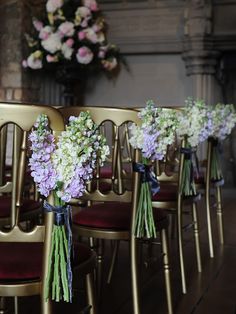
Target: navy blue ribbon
{"x":147,"y":175}
{"x":63,"y":216}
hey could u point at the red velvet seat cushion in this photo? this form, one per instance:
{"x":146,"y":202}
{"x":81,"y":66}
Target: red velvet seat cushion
{"x":27,"y":206}
{"x":199,"y":179}
{"x":113,"y":215}
{"x":166,"y":194}
{"x":106,"y":171}
{"x":23,"y":261}
{"x":17,"y":264}
{"x":103,"y":186}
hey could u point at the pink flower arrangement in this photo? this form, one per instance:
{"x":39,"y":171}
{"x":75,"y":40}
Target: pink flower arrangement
{"x":73,"y":32}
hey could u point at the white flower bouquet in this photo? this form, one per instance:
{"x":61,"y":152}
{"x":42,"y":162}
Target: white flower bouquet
{"x":152,"y":137}
{"x":64,"y":168}
{"x":72,"y":32}
{"x":224,"y":120}
{"x":195,"y":125}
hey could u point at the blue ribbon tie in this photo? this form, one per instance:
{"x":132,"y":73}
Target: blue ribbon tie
{"x":147,"y":175}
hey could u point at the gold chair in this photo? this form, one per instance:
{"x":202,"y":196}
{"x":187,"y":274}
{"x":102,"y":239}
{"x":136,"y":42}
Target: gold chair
{"x":204,"y":183}
{"x":111,"y":214}
{"x":10,"y":138}
{"x":170,"y":198}
{"x":25,"y":255}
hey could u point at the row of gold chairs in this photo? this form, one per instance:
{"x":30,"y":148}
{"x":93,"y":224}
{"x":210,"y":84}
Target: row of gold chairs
{"x":108,"y":211}
{"x":25,"y":254}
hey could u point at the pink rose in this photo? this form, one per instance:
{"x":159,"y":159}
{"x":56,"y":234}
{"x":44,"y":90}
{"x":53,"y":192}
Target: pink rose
{"x":91,"y":4}
{"x":70,"y":42}
{"x":81,"y":35}
{"x":84,"y":55}
{"x":24,"y":64}
{"x":51,"y":59}
{"x":102,"y":52}
{"x":38,"y":25}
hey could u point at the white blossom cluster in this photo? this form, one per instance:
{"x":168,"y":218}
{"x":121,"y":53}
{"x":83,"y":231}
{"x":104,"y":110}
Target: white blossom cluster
{"x":194,"y":122}
{"x":156,"y":132}
{"x":224,"y":120}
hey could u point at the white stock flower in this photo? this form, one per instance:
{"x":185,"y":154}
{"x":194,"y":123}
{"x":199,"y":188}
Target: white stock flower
{"x":67,"y":29}
{"x":52,"y":43}
{"x":53,"y":5}
{"x":66,"y":51}
{"x":34,"y":61}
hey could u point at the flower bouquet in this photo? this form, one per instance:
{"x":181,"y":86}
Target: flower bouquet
{"x":152,"y":137}
{"x":64,"y":168}
{"x":224,"y":120}
{"x":71,"y":33}
{"x":194,"y":126}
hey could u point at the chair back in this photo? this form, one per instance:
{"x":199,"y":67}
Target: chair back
{"x":117,"y":171}
{"x":23,"y":117}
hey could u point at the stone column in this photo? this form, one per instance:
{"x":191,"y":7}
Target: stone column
{"x":15,"y":83}
{"x":201,"y":59}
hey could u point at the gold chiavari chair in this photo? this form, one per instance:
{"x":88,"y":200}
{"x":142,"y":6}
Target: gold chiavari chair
{"x":111,"y":215}
{"x":172,"y":199}
{"x":212,"y":190}
{"x":31,"y":206}
{"x":25,"y":254}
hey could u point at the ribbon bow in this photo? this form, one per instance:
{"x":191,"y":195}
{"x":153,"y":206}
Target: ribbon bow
{"x":63,"y":216}
{"x":190,"y":154}
{"x":147,"y":175}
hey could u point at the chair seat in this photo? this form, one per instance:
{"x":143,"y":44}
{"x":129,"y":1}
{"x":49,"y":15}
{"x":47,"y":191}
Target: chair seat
{"x":103,"y":186}
{"x":166,"y":194}
{"x":199,"y":179}
{"x":16,"y":264}
{"x":114,"y":215}
{"x":27,"y":206}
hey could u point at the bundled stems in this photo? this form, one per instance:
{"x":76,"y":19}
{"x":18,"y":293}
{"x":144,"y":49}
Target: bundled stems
{"x":144,"y":221}
{"x":187,"y":183}
{"x":57,"y":282}
{"x":216,"y":173}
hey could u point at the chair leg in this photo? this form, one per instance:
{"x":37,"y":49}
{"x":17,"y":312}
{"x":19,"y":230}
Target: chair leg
{"x":180,"y":248}
{"x":3,"y":307}
{"x":220,"y":214}
{"x":209,"y":223}
{"x":196,"y":236}
{"x":91,"y":293}
{"x":113,"y":260}
{"x":173,"y":226}
{"x":165,"y":251}
{"x":99,"y":267}
{"x":46,"y":306}
{"x":134,"y":274}
{"x":16,"y":311}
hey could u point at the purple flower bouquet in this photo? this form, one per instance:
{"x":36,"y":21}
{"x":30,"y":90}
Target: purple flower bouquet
{"x":64,"y":168}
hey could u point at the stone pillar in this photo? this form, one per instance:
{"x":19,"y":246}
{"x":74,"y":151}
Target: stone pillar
{"x":15,"y":83}
{"x":201,"y":59}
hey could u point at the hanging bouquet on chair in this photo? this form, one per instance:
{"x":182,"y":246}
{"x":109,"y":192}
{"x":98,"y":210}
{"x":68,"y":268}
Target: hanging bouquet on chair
{"x":64,"y":167}
{"x":152,"y":137}
{"x":195,"y":123}
{"x":224,"y":120}
{"x":71,"y":32}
